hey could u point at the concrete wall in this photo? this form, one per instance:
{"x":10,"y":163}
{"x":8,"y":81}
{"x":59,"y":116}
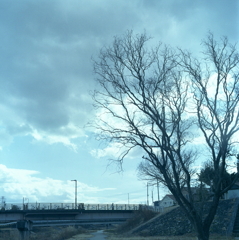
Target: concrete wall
{"x":232,"y":194}
{"x":6,"y":216}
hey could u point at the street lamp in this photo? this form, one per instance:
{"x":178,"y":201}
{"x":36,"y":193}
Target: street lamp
{"x":25,"y":206}
{"x":75,"y":192}
{"x":158,"y":188}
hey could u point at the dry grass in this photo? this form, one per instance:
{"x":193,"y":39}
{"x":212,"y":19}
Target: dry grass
{"x":70,"y":233}
{"x":82,"y":236}
{"x":183,"y":237}
{"x":139,"y":218}
{"x":9,"y":234}
{"x":48,"y":233}
{"x":57,"y":234}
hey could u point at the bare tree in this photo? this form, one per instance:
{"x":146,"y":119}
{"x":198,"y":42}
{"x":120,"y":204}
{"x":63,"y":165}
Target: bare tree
{"x":158,"y":100}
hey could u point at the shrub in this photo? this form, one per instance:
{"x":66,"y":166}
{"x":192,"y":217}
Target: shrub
{"x":9,"y":234}
{"x":15,"y":207}
{"x":57,"y":234}
{"x":139,"y":217}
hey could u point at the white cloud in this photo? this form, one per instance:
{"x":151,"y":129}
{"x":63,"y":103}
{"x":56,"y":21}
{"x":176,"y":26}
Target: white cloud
{"x":112,"y":150}
{"x":71,"y":132}
{"x":17,"y":184}
{"x":46,"y":70}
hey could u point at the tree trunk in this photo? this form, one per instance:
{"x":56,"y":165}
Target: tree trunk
{"x":202,"y":231}
{"x":202,"y":236}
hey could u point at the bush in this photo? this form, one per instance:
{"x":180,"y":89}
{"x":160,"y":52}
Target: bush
{"x":9,"y":234}
{"x":139,"y":217}
{"x":15,"y":207}
{"x":57,"y":234}
{"x":66,"y":233}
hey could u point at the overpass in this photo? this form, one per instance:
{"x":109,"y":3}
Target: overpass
{"x":27,"y":215}
{"x":65,"y":211}
{"x":59,"y":214}
{"x":67,"y":206}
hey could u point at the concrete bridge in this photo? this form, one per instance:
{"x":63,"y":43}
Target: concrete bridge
{"x":26,"y":216}
{"x":64,"y":211}
{"x":66,"y":206}
{"x":47,"y":215}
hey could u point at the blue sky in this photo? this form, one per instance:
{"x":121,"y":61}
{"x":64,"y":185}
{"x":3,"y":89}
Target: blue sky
{"x":46,"y":77}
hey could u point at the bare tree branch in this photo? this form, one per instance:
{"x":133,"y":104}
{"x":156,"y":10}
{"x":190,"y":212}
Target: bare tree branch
{"x":145,"y":100}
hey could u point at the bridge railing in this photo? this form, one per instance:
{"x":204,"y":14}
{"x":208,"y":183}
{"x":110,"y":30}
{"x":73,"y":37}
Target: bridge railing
{"x":111,"y":207}
{"x":67,"y":206}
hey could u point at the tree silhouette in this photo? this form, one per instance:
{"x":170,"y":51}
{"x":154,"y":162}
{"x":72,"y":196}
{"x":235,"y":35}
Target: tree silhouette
{"x":159,"y":100}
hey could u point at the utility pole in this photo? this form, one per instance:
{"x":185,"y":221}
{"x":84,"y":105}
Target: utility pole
{"x":158,"y":188}
{"x":147,"y":193}
{"x":152,"y":196}
{"x":75,"y":193}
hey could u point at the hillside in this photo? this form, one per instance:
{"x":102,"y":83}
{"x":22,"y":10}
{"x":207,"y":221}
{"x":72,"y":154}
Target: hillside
{"x":175,"y":221}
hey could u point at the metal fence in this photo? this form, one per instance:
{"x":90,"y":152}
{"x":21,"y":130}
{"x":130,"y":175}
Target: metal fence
{"x":67,"y":206}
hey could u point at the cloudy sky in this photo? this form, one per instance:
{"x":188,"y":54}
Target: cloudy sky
{"x":46,"y":77}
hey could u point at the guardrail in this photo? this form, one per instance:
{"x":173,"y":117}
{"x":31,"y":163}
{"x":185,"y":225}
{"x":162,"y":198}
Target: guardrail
{"x":9,"y":224}
{"x":67,"y":206}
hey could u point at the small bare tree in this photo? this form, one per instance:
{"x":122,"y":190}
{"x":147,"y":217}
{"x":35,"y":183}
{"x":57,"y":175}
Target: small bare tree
{"x":159,"y":100}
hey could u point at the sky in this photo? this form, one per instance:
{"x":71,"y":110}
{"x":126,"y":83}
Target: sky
{"x":46,"y":79}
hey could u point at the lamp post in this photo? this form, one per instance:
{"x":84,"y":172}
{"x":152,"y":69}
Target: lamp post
{"x":75,"y":192}
{"x":25,"y":205}
{"x":158,"y":188}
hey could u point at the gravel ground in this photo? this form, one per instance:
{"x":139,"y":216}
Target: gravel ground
{"x":82,"y":236}
{"x":99,"y":235}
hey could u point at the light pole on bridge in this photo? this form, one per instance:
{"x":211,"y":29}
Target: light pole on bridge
{"x":75,"y":193}
{"x":25,"y":205}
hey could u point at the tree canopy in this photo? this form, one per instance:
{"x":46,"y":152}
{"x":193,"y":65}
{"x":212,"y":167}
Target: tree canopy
{"x":207,"y":175}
